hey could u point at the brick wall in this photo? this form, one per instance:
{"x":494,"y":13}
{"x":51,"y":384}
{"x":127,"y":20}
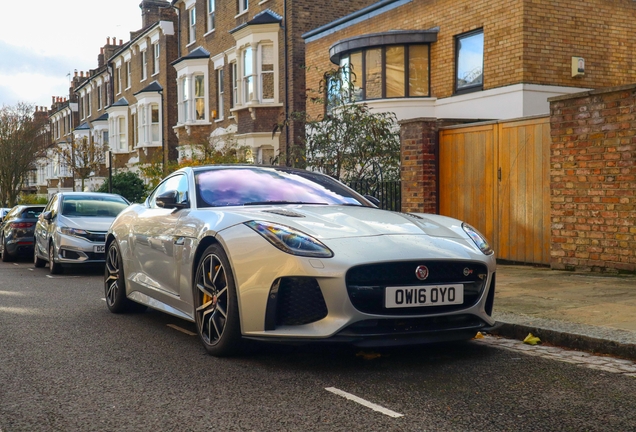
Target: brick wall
{"x":593,"y":180}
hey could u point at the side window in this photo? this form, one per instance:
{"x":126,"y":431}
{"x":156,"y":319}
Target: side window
{"x":178,"y":182}
{"x":52,"y":206}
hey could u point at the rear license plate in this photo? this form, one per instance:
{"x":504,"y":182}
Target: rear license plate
{"x":430,"y":295}
{"x":99,"y":248}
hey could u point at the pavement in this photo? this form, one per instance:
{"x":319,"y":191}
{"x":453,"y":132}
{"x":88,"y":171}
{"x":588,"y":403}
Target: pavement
{"x":593,"y":312}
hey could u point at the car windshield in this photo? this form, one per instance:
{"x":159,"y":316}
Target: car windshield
{"x":92,"y":206}
{"x":254,"y":186}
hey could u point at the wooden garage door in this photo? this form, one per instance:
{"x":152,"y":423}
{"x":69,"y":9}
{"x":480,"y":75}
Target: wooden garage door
{"x":496,"y":177}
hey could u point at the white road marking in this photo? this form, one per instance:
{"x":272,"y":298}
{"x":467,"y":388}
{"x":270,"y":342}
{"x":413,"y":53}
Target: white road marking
{"x":61,"y":277}
{"x":182,"y":330}
{"x":104,"y":299}
{"x":16,"y":264}
{"x":363,"y":402}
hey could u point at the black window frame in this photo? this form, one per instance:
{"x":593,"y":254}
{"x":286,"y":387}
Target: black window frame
{"x":361,"y":76}
{"x":472,"y":88}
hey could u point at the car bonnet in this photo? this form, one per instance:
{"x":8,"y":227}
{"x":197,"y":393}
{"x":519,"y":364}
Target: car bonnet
{"x":339,"y":221}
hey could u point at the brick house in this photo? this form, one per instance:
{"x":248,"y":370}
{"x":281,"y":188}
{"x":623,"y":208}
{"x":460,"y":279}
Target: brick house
{"x":143,"y":107}
{"x":477,"y":59}
{"x":239,"y":70}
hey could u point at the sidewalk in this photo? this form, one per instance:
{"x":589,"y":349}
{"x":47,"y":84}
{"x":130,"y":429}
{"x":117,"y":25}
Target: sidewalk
{"x":586,"y":311}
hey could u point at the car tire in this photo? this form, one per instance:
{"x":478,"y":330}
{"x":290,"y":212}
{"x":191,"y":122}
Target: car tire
{"x":115,"y":283}
{"x":37,"y":261}
{"x":54,"y":268}
{"x":6,"y":256}
{"x":215,"y":304}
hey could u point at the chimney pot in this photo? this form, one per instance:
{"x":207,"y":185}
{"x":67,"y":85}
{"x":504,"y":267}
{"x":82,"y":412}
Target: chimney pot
{"x":108,"y":40}
{"x":121,"y":41}
{"x":52,"y":99}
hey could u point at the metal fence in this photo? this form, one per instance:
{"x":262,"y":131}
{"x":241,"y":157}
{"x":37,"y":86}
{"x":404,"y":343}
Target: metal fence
{"x":387,"y":192}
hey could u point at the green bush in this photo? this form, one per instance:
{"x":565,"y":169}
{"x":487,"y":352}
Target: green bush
{"x":127,"y":184}
{"x":32,"y":199}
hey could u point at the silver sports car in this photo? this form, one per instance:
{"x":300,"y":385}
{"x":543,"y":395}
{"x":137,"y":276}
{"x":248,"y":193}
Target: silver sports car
{"x":287,"y":255}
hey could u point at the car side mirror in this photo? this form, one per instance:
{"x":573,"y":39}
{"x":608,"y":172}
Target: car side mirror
{"x":373,"y":200}
{"x":169,"y":199}
{"x":47,"y":216}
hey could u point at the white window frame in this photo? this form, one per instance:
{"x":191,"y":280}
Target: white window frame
{"x":254,"y":38}
{"x":99,"y":96}
{"x":128,"y":75}
{"x":146,"y":125}
{"x":156,"y":52}
{"x":234,"y":79}
{"x":220,"y":87}
{"x":144,"y":65}
{"x":118,"y":73}
{"x":211,"y":16}
{"x":192,"y":25}
{"x":186,"y":72}
{"x":243,"y":6}
{"x":89,"y":109}
{"x":118,"y":137}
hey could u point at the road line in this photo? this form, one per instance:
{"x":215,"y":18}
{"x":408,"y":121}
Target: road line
{"x":182,"y":330}
{"x":104,"y":299}
{"x":62,"y":277}
{"x":366,"y":403}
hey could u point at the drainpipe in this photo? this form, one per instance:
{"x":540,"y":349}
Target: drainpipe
{"x":286,"y":106}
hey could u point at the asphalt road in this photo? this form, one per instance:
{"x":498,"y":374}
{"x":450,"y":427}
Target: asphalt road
{"x":68,"y":364}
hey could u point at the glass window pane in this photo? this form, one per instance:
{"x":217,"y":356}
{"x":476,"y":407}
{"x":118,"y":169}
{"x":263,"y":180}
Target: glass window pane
{"x":418,"y":70}
{"x":199,"y":88}
{"x":374,"y":74}
{"x":470,"y":60}
{"x":267,"y":85}
{"x":395,"y":80}
{"x":247,"y":62}
{"x":267,"y":57}
{"x":356,"y":75}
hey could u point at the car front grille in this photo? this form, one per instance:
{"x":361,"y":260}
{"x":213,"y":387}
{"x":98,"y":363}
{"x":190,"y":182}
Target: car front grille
{"x":366,"y":284}
{"x":294,"y":301}
{"x":402,"y":326}
{"x":95,"y":236}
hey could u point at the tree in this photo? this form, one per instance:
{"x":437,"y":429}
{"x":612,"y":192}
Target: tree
{"x":84,"y":157}
{"x":127,"y":184}
{"x":349,"y":142}
{"x":220,"y":149}
{"x":23,"y":139}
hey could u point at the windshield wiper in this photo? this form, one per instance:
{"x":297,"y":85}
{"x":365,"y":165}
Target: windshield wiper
{"x":282,"y":202}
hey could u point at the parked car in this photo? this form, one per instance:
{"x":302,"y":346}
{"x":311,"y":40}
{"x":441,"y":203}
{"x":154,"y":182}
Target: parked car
{"x":72,"y":228}
{"x":16,"y":231}
{"x":287,"y":255}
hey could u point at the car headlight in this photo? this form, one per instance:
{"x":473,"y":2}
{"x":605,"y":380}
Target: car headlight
{"x":72,"y":231}
{"x":290,"y":240}
{"x":479,"y":240}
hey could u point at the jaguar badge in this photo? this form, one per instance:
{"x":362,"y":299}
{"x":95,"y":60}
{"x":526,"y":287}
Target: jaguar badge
{"x":421,"y":272}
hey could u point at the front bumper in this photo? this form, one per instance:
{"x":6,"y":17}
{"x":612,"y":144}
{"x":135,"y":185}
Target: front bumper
{"x":77,"y":250}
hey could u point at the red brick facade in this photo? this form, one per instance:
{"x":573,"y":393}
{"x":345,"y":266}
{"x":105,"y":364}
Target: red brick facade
{"x":593,"y":180}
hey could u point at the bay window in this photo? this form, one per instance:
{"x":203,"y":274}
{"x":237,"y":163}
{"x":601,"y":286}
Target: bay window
{"x":393,"y":71}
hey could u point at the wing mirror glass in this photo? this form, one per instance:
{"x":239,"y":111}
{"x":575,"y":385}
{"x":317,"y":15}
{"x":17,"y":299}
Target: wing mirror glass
{"x":47,"y":216}
{"x":169,"y":200}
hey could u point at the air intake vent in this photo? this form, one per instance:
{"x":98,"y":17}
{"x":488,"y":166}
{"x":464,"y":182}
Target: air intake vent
{"x":284,"y":212}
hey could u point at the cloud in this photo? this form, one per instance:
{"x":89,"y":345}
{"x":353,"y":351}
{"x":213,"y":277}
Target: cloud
{"x":25,"y":60}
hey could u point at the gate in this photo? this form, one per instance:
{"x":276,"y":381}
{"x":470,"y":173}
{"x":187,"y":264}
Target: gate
{"x":496,"y":176}
{"x":389,"y":193}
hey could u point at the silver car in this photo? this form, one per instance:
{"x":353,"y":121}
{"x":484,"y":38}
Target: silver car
{"x":286,"y":255}
{"x":72,"y":229}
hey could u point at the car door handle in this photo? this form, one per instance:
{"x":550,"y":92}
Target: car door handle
{"x":179,"y":241}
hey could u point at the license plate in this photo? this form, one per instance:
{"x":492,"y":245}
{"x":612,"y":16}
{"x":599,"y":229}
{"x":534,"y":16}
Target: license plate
{"x":99,"y":248}
{"x":429,"y":295}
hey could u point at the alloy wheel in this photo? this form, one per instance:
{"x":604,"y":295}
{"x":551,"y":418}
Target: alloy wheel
{"x":212,"y":292}
{"x":112,"y":275}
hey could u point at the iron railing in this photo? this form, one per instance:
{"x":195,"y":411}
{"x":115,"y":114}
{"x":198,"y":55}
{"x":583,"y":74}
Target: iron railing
{"x":387,"y":192}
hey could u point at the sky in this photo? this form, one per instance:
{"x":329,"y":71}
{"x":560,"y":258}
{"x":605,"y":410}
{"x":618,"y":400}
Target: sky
{"x":42,"y":41}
